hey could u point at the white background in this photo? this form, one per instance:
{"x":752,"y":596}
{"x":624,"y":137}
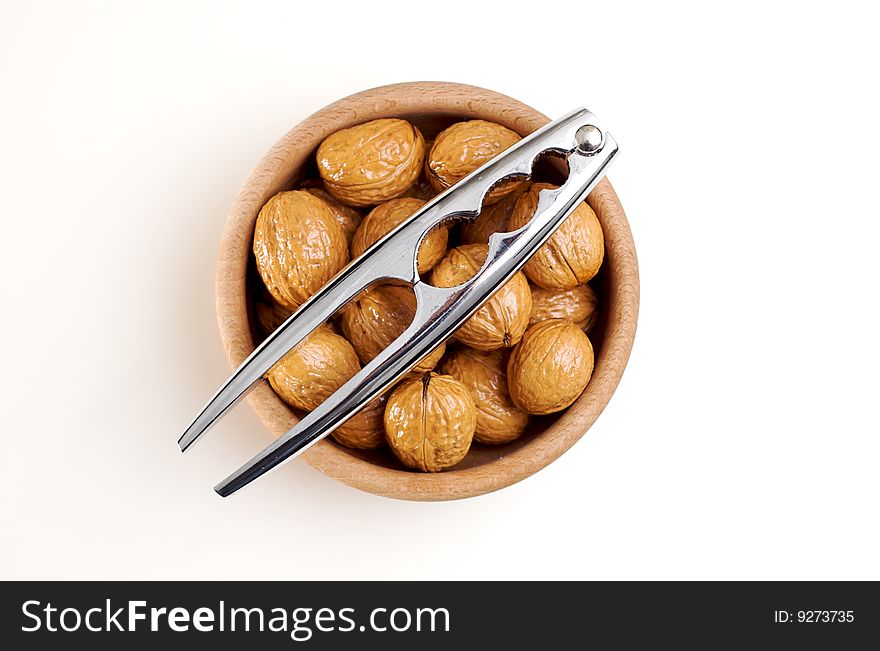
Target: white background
{"x":743,"y":440}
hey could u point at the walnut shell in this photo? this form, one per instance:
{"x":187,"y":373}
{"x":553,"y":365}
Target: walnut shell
{"x":270,"y":315}
{"x":463,"y":147}
{"x":372,"y":162}
{"x":313,"y":369}
{"x":430,"y":422}
{"x":383,"y":218}
{"x":550,"y":367}
{"x":492,"y":219}
{"x":503,"y":319}
{"x":421,"y":189}
{"x":298,"y":245}
{"x":572,"y":255}
{"x":484,"y":373}
{"x":578,"y":305}
{"x":378,"y":317}
{"x":349,"y":218}
{"x":366,"y":429}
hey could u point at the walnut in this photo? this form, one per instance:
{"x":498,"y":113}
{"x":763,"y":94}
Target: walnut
{"x":378,"y":317}
{"x":314,"y":369}
{"x":349,"y":218}
{"x":371,"y":162}
{"x":298,"y":245}
{"x":484,"y":373}
{"x":270,"y":315}
{"x":573,"y":254}
{"x":385,"y":217}
{"x":430,"y":422}
{"x":463,"y":147}
{"x":550,"y":367}
{"x":578,"y":305}
{"x":503,"y":319}
{"x":492,"y":219}
{"x":366,"y":429}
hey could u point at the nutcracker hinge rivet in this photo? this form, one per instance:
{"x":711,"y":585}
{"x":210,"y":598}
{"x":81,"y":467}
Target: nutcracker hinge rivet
{"x":589,"y":139}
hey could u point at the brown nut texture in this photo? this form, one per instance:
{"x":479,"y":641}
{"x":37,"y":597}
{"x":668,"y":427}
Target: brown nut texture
{"x":298,"y":245}
{"x":502,"y":320}
{"x":484,"y":373}
{"x":313,"y":369}
{"x":463,"y":147}
{"x":371,"y":162}
{"x":366,"y":429}
{"x":383,"y":218}
{"x":270,"y":315}
{"x":349,"y":218}
{"x":573,"y":254}
{"x":492,"y":219}
{"x":378,"y":317}
{"x":579,"y":305}
{"x":430,"y":422}
{"x":421,"y":189}
{"x":550,"y":367}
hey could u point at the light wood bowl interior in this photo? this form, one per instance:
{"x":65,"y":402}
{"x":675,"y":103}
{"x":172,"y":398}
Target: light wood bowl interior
{"x":431,"y":106}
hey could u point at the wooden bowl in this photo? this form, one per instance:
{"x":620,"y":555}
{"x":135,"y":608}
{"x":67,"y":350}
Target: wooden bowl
{"x":431,"y":106}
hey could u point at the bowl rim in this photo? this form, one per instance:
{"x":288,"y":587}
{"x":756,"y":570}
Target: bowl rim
{"x":288,"y":157}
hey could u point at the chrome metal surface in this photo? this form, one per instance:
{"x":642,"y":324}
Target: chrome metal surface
{"x":589,"y":139}
{"x":439,"y":311}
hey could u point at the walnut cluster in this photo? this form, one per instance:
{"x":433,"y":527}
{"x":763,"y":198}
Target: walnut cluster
{"x":525,"y":352}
